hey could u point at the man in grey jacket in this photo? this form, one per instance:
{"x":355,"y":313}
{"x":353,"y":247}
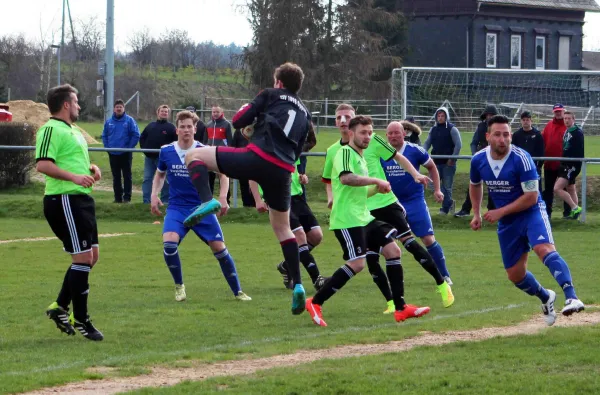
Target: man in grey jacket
{"x":444,"y":139}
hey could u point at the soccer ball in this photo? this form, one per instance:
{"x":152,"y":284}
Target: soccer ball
{"x":248,"y":131}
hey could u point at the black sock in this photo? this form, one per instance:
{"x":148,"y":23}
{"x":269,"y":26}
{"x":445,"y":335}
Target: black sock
{"x":334,"y":284}
{"x":310,"y":246}
{"x":78,"y":283}
{"x":199,"y":177}
{"x":308,"y":261}
{"x":64,"y":296}
{"x":291,"y":257}
{"x":424,"y":258}
{"x":378,"y":275}
{"x":395,"y":273}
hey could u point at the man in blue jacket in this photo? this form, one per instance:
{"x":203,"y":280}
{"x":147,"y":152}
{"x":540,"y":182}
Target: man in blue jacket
{"x":120,"y":131}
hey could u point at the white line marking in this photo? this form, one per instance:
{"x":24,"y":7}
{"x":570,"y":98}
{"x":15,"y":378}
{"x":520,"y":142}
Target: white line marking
{"x":54,"y":238}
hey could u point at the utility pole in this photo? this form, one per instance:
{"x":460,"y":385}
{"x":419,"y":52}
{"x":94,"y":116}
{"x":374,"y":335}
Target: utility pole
{"x":62,"y":40}
{"x":109,"y":78}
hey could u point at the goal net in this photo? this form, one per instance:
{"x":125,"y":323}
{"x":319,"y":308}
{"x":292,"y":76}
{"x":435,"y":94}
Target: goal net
{"x":417,"y":92}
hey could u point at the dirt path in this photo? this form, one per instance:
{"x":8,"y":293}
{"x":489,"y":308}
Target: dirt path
{"x":161,"y":376}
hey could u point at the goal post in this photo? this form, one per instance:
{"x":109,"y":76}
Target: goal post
{"x":418,"y":91}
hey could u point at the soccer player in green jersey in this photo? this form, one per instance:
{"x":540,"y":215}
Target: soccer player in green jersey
{"x":62,"y":155}
{"x":386,"y":207}
{"x":356,"y":229}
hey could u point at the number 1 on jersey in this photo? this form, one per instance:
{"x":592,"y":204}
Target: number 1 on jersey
{"x":288,"y":125}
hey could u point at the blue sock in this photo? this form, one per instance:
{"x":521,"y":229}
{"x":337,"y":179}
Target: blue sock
{"x":172,"y":260}
{"x":530,"y":286}
{"x":560,"y":271}
{"x":436,"y":252}
{"x":229,"y":271}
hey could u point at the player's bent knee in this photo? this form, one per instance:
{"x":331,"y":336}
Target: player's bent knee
{"x":541,"y":250}
{"x":84,"y":257}
{"x":517,"y":272}
{"x":357,"y":265}
{"x":216,"y":246}
{"x":391,"y":250}
{"x":428,"y":240}
{"x":171,"y":237}
{"x":315,"y":236}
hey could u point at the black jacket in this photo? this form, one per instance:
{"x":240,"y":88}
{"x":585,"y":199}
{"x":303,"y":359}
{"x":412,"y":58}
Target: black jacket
{"x":573,"y":145}
{"x":532,"y":142}
{"x":479,"y":141}
{"x":156,"y":134}
{"x":200,"y":131}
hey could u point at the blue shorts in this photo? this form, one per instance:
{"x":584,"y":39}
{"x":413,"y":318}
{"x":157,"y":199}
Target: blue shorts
{"x":523,"y":232}
{"x":418,"y":216}
{"x":207,"y":230}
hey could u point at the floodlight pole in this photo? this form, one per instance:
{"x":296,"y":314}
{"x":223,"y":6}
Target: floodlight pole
{"x":109,"y":78}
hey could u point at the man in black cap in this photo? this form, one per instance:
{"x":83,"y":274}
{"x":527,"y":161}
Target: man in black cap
{"x":200,"y":126}
{"x":478,"y":143}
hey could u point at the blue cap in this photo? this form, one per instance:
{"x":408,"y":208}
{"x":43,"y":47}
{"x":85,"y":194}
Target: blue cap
{"x":558,"y":107}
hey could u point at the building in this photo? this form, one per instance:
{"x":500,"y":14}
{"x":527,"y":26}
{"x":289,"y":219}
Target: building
{"x":504,"y":34}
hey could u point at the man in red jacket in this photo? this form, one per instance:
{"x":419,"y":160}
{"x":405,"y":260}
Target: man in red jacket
{"x":553,"y":146}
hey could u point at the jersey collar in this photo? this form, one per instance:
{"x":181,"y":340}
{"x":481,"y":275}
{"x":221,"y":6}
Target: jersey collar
{"x":496,"y":165}
{"x":62,"y":120}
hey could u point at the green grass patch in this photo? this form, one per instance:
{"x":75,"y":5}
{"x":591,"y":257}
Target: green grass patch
{"x":132,"y":299}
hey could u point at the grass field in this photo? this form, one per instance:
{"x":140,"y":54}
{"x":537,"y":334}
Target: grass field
{"x":132,"y":302}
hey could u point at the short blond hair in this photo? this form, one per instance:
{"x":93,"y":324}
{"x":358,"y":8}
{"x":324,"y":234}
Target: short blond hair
{"x":183,"y":115}
{"x":345,"y":106}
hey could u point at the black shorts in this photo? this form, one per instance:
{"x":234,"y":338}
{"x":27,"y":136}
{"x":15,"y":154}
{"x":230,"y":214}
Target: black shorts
{"x":357,"y":241}
{"x":395,"y":215}
{"x":569,"y":171}
{"x":301,"y":216}
{"x":242,"y":163}
{"x":73,"y":220}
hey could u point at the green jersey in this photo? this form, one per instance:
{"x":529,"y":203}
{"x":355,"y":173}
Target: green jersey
{"x":296,"y":186}
{"x":379,"y":149}
{"x":66,"y":147}
{"x":329,"y":158}
{"x":349,"y":203}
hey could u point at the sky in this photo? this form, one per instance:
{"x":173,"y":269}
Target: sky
{"x":220,"y":21}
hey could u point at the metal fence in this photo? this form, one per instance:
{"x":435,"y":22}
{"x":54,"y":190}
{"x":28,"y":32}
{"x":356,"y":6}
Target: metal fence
{"x":234,"y":193}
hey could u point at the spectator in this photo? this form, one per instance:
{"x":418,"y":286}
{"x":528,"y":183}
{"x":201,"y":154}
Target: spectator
{"x":553,"y":134}
{"x":218,"y":133}
{"x":200,"y":126}
{"x":444,"y":139}
{"x":479,"y":142}
{"x":120,"y":131}
{"x":573,"y":147}
{"x":412,"y":131}
{"x":154,"y":136}
{"x":530,"y":139}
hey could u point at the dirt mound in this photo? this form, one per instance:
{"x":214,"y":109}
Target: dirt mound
{"x":36,"y":114}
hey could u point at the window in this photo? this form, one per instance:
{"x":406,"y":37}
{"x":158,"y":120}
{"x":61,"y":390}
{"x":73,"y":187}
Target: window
{"x":564,"y":52}
{"x":540,"y":53}
{"x":490,"y":49}
{"x":515,"y":51}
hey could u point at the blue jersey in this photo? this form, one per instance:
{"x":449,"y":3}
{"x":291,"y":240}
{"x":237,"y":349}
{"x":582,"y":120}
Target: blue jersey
{"x":181,"y":190}
{"x":506,"y":179}
{"x":403,"y":184}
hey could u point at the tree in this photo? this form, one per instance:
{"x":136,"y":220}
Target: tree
{"x":143,"y":47}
